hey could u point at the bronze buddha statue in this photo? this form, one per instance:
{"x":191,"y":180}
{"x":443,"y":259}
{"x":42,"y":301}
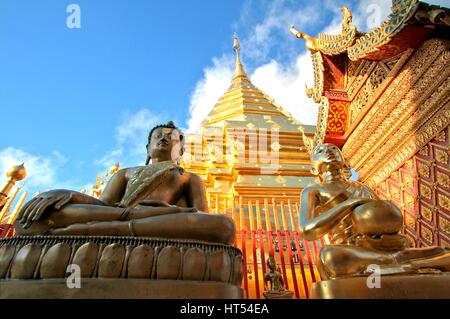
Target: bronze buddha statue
{"x":159,"y":199}
{"x":274,"y":277}
{"x":365,"y":230}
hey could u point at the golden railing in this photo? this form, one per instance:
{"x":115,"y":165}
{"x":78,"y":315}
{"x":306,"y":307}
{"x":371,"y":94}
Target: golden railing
{"x":269,"y":226}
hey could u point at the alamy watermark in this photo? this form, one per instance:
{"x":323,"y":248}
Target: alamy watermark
{"x":74,"y":279}
{"x":73,"y":20}
{"x":260,"y":147}
{"x":374,"y":279}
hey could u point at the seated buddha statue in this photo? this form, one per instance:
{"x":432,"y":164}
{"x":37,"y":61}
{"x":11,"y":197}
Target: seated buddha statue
{"x":365,"y":229}
{"x":277,"y":288}
{"x":159,"y":199}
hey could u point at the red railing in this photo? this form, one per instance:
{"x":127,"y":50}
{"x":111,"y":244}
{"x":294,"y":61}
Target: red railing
{"x":6,"y":230}
{"x":270,"y":227}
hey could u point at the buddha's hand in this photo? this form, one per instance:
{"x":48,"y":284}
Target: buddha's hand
{"x":36,"y":207}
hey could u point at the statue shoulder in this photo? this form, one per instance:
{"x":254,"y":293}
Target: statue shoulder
{"x":129,"y":171}
{"x":194,"y":178}
{"x":312,"y":188}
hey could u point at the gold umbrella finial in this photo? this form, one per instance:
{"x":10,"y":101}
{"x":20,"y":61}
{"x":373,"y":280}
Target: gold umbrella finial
{"x":17,"y":172}
{"x":239,"y":72}
{"x":236,"y":44}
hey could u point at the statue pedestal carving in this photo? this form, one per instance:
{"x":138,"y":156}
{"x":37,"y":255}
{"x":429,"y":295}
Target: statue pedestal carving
{"x":118,"y":267}
{"x":94,"y":288}
{"x":286,"y":294}
{"x":429,"y":286}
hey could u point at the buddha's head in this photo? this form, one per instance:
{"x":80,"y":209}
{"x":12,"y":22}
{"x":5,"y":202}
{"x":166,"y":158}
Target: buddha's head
{"x":165,"y":143}
{"x":327,"y":157}
{"x":271,"y":264}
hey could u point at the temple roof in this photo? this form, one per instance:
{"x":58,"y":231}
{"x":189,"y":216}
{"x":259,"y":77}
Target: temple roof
{"x":410,"y":23}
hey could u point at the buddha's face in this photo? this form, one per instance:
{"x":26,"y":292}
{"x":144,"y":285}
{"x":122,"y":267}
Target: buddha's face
{"x":165,"y":144}
{"x":326,"y":157}
{"x":271,"y":263}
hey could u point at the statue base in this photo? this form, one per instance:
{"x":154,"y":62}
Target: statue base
{"x":287,"y":294}
{"x":94,"y":288}
{"x":118,"y":267}
{"x":428,"y":286}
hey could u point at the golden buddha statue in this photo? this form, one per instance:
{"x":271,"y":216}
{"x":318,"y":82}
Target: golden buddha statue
{"x":365,"y":229}
{"x":159,"y":199}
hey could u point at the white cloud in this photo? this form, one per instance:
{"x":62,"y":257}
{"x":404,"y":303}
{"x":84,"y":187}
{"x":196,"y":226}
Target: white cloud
{"x":283,"y":79}
{"x":131,"y":137}
{"x":110,"y":159}
{"x":42,"y":171}
{"x":273,"y":30}
{"x":283,"y":82}
{"x":216,"y":79}
{"x":286,"y":85}
{"x":134,"y":126}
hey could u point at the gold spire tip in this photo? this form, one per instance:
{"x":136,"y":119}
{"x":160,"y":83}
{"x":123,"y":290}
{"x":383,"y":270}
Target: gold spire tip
{"x":239,"y":72}
{"x":236,"y":44}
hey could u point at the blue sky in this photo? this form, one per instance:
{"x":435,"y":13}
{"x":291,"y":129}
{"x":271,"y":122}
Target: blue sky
{"x":75,"y":101}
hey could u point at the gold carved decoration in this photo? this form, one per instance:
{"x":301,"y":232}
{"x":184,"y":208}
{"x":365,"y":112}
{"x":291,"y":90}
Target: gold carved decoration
{"x":337,"y":119}
{"x":440,"y":137}
{"x":409,"y":181}
{"x":423,"y":169}
{"x":332,"y":44}
{"x":424,"y":150}
{"x":441,"y":156}
{"x":425,"y":191}
{"x":426,"y":213}
{"x":402,"y":11}
{"x":395,"y":193}
{"x":443,"y":179}
{"x":322,"y":121}
{"x":315,"y":93}
{"x":356,"y":44}
{"x":395,"y":118}
{"x":410,"y":221}
{"x":373,"y":82}
{"x":418,"y":64}
{"x":427,"y":234}
{"x":444,"y":225}
{"x":409,"y":201}
{"x":444,"y":201}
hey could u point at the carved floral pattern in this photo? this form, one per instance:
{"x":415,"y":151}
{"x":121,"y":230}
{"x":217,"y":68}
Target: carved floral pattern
{"x":423,"y":184}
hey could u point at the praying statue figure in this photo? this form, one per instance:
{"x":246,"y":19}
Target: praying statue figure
{"x":277,"y":289}
{"x":159,"y":199}
{"x":364,"y":229}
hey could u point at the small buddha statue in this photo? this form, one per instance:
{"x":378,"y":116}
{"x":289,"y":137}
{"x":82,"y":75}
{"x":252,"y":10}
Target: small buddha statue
{"x":277,"y":289}
{"x":364,"y":228}
{"x":159,"y":199}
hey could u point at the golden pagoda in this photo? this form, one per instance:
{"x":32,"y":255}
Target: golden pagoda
{"x":249,"y":147}
{"x":252,"y":157}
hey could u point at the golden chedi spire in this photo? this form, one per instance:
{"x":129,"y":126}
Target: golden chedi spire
{"x":239,"y":73}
